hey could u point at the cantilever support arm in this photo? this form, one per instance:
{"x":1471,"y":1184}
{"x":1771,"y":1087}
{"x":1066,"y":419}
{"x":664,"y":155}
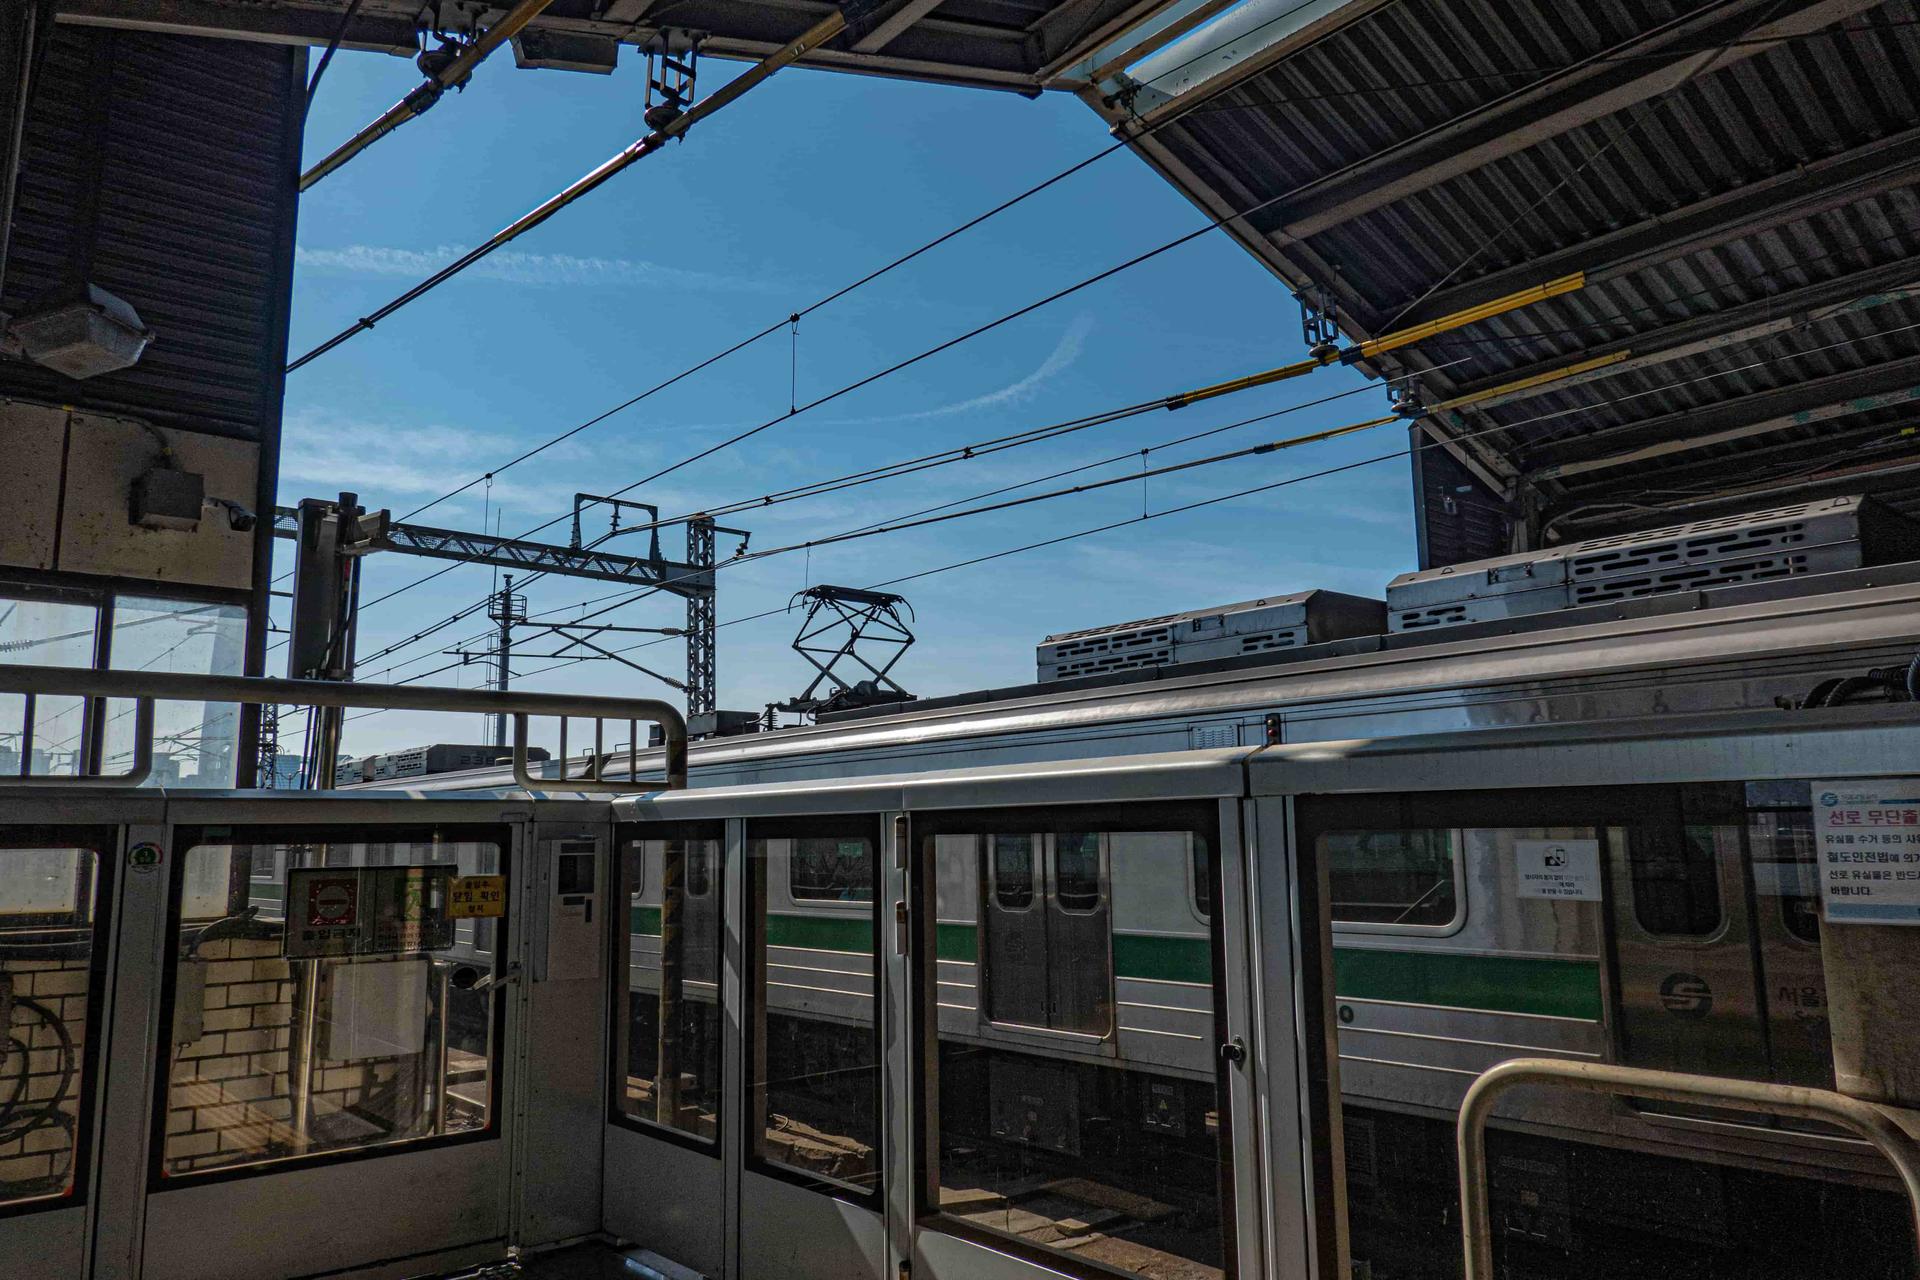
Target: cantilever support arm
{"x":1871,"y":1122}
{"x":429,"y":90}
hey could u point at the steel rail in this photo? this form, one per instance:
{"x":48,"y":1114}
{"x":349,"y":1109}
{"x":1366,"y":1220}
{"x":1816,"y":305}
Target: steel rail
{"x":1874,"y":1123}
{"x":146,"y":687}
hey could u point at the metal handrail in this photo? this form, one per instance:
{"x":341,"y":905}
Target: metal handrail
{"x":1872,"y":1122}
{"x":146,"y":687}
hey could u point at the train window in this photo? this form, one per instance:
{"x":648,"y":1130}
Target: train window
{"x":1076,"y":871}
{"x":1073,"y":1077}
{"x":667,"y":1035}
{"x":1676,"y":880}
{"x":1399,"y":878}
{"x":825,"y":869}
{"x":47,"y":971}
{"x":1784,"y":868}
{"x":336,"y":1012}
{"x":814,"y":1055}
{"x":1012,"y":872}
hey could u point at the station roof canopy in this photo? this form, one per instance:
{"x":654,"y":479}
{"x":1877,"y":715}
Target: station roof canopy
{"x":1736,"y":179}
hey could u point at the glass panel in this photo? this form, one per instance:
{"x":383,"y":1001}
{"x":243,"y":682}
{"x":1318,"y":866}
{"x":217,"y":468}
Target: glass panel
{"x":47,"y":898}
{"x":1013,"y":872}
{"x":1076,"y":871}
{"x":1202,"y":879}
{"x":825,"y":869}
{"x":1783,"y":868}
{"x":46,"y":734}
{"x":196,"y":744}
{"x":1093,"y":1129}
{"x":1676,"y":880}
{"x":322,"y":998}
{"x":814,"y":1072}
{"x":670,"y":1045}
{"x":1392,"y":877}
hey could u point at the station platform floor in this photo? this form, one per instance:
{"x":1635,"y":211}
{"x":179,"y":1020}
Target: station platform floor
{"x":579,"y":1262}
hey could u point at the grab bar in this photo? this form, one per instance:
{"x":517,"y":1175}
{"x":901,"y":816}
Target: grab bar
{"x":1870,"y":1121}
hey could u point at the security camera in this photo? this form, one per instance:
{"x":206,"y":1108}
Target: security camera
{"x":239,"y":519}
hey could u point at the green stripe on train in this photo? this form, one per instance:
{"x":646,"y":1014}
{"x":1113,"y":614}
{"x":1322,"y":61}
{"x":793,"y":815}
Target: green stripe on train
{"x":1135,"y":955}
{"x":1508,"y":984}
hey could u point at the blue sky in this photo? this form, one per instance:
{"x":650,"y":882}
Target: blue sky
{"x":807,"y":183}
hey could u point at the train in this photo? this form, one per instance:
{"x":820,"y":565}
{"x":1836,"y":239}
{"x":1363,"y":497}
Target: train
{"x":1689,"y":937}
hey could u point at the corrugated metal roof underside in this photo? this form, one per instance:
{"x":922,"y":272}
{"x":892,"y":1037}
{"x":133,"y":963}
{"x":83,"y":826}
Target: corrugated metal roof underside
{"x":1786,"y":172}
{"x":187,"y":221}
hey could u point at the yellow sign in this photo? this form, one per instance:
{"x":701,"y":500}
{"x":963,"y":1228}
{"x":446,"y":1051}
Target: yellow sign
{"x":483,"y":896}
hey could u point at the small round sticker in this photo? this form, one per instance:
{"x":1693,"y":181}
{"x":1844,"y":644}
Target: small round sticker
{"x":144,"y":856}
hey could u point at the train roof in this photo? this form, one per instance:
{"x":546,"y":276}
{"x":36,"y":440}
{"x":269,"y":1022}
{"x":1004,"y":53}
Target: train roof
{"x":1729,"y":626}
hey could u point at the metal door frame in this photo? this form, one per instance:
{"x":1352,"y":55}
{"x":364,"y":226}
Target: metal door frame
{"x":118,"y":1219}
{"x":1217,"y":776}
{"x":1862,"y":742}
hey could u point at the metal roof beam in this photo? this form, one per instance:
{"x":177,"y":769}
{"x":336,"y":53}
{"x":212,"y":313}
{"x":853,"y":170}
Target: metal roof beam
{"x":1895,"y":473}
{"x":934,"y":50}
{"x":277,"y":24}
{"x":1799,"y":192}
{"x":1764,"y":316}
{"x":1602,"y":86}
{"x":894,"y":25}
{"x":1837,"y":395}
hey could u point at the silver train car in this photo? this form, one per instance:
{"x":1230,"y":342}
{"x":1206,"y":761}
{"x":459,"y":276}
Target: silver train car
{"x":1690,"y":938}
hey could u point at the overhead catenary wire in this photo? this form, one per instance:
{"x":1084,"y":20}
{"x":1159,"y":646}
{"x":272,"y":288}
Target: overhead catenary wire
{"x":1228,"y":218}
{"x":1199,"y":504}
{"x":1335,"y":470}
{"x":728,"y":93}
{"x":1204,"y":103}
{"x":1411,"y":450}
{"x":1365,"y":349}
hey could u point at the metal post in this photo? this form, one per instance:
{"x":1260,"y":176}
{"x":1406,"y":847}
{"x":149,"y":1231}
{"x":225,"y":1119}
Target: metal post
{"x":1875,"y":1124}
{"x":702,"y":681}
{"x":666,"y":1075}
{"x":503,"y":655}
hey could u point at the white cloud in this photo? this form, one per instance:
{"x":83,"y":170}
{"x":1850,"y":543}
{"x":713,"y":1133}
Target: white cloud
{"x":1064,"y":355}
{"x":512,"y":267}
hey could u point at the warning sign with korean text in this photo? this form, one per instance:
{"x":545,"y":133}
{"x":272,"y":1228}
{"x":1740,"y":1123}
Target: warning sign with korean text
{"x":1867,"y":839}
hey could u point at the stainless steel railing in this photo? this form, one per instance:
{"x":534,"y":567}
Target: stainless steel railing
{"x":144,"y":688}
{"x":1874,"y":1123}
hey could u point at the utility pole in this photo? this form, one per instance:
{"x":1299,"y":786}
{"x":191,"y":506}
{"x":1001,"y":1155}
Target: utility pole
{"x":508,"y":610}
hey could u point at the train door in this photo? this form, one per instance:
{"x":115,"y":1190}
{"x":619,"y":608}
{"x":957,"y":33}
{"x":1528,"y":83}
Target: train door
{"x":1786,"y":921}
{"x":1079,"y":934}
{"x":1717,"y":936}
{"x":1687,"y":980}
{"x":1049,"y":931}
{"x":670,"y":1043}
{"x":1016,"y":941}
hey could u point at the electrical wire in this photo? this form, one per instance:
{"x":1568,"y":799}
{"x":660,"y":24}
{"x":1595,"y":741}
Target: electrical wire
{"x":1410,"y":451}
{"x":1014,"y":315}
{"x":793,"y":318}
